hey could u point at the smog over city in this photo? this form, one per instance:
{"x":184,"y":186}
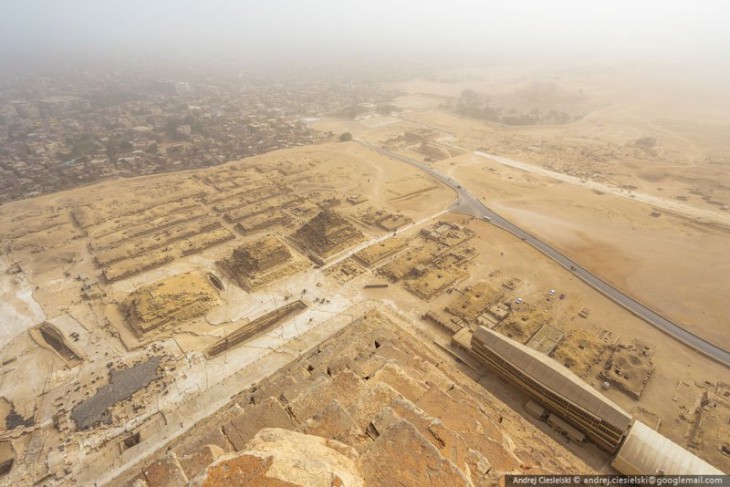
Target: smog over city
{"x":363,"y":243}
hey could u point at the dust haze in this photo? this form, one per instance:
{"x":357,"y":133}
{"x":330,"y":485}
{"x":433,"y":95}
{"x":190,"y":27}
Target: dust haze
{"x":669,"y":31}
{"x":362,"y":242}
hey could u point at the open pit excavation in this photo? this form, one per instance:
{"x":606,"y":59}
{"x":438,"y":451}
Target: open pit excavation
{"x":122,"y":384}
{"x":255,"y":327}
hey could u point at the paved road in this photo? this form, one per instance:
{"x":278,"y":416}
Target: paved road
{"x":469,"y":204}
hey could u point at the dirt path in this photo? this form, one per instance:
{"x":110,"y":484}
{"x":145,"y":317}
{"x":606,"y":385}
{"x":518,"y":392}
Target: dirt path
{"x":669,"y":205}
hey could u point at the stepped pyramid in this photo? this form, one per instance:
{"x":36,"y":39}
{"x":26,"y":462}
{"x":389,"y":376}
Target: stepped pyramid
{"x":254,"y":259}
{"x":327,"y":234}
{"x":170,"y":301}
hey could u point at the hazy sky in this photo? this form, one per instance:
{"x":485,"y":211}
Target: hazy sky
{"x":616,"y":29}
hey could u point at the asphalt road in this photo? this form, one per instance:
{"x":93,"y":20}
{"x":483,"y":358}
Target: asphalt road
{"x":469,"y":204}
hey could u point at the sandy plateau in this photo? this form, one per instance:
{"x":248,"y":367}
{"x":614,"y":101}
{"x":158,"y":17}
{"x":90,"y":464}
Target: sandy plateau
{"x":152,"y":325}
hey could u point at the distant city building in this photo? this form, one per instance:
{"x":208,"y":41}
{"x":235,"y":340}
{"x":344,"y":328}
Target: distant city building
{"x":182,"y":87}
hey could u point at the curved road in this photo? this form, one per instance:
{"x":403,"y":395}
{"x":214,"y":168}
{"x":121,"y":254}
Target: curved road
{"x":471,"y":205}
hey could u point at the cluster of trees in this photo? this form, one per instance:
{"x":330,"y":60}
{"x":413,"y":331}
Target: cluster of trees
{"x":471,"y":104}
{"x":386,"y":109}
{"x":81,"y":146}
{"x":86,"y":144}
{"x":351,"y":112}
{"x":174,"y":122}
{"x":354,"y":110}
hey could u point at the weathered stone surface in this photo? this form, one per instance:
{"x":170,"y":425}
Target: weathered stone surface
{"x":371,"y":402}
{"x":245,"y":426}
{"x":277,"y":457}
{"x":196,"y":462}
{"x":333,"y":422}
{"x":165,"y":472}
{"x":240,"y":470}
{"x":402,"y":456}
{"x":198,"y":440}
{"x":399,"y":380}
{"x":345,"y":387}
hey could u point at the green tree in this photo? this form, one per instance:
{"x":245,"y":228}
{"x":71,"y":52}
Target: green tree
{"x":385,"y":109}
{"x":352,"y":111}
{"x":345,"y":137}
{"x":470,"y":98}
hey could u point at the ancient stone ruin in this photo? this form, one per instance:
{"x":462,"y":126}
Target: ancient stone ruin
{"x":327,"y":234}
{"x":172,"y":300}
{"x":256,"y":263}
